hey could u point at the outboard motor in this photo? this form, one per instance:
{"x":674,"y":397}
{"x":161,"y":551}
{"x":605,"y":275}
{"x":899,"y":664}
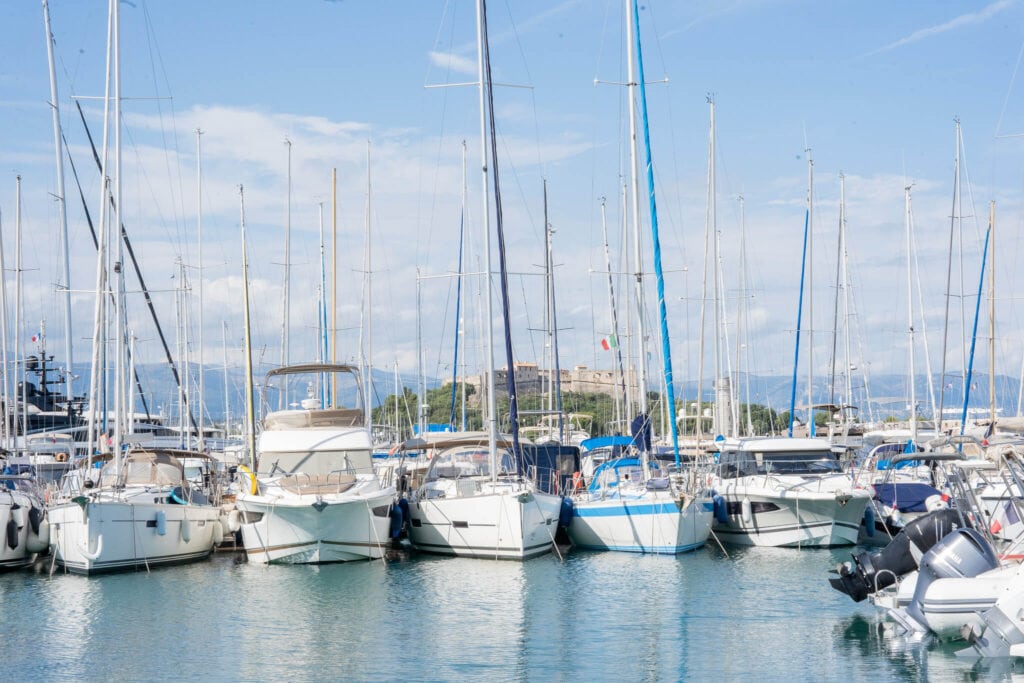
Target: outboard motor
{"x":871,"y":572}
{"x":964,"y":553}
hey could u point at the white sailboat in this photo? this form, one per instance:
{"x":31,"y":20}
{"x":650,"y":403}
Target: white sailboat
{"x":630,"y":504}
{"x":141,"y":511}
{"x":313,"y":496}
{"x":476,"y":500}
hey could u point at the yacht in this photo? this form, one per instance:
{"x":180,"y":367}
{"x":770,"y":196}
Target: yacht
{"x":312,"y":495}
{"x":786,"y":492}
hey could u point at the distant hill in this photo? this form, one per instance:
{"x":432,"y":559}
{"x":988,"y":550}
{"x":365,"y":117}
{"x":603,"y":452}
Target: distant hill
{"x":889,"y":393}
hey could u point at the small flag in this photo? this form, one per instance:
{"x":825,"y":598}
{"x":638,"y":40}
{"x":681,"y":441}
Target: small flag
{"x":609,"y":342}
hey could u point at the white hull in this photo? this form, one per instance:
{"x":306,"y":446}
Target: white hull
{"x":505,"y":521}
{"x":306,"y":528}
{"x":789,"y":518}
{"x":652,"y":523}
{"x":110,"y":535}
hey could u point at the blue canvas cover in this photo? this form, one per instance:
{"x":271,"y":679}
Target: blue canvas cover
{"x":905,"y":497}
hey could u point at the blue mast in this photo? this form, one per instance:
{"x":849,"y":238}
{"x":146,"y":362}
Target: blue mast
{"x":799,"y":316}
{"x":458,"y":318}
{"x":662,"y":316}
{"x":974,"y":333}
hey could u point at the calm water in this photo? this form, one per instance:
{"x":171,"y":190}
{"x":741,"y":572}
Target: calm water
{"x":761,"y":614}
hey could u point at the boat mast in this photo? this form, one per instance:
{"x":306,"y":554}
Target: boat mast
{"x":202,"y":347}
{"x":638,"y":273}
{"x":250,"y":410}
{"x":366,"y":349}
{"x":992,"y":321}
{"x":119,"y":296}
{"x":458,"y":303}
{"x":949,"y":276}
{"x":622,"y":399}
{"x":910,"y":326}
{"x":283,"y":395}
{"x":483,"y":85}
{"x":977,"y":312}
{"x":59,"y":154}
{"x":227,"y":388}
{"x":322,"y":312}
{"x":421,"y":376}
{"x":847,"y":371}
{"x":334,"y":282}
{"x":656,"y":244}
{"x":810,"y":295}
{"x":97,"y":409}
{"x":799,"y":317}
{"x":20,"y":405}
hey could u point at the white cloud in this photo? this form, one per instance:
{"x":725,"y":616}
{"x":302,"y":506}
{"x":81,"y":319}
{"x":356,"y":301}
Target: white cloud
{"x":983,"y":15}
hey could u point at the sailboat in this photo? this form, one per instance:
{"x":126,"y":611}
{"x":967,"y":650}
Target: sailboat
{"x":475,"y":500}
{"x":630,"y":504}
{"x":139,"y":510}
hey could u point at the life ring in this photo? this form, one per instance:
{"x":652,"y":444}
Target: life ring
{"x":254,"y":487}
{"x":61,"y":457}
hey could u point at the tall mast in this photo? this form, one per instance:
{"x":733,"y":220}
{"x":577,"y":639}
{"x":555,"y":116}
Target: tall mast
{"x":708,"y":227}
{"x":59,"y":153}
{"x":810,"y":294}
{"x":322,"y":313}
{"x":421,"y":377}
{"x":484,"y":85}
{"x":334,"y":281}
{"x":623,"y":397}
{"x":949,"y":277}
{"x":847,"y":370}
{"x":283,"y":396}
{"x":458,"y":301}
{"x":250,"y":409}
{"x":641,"y":357}
{"x":21,"y":404}
{"x":227,"y":389}
{"x":910,"y":324}
{"x":666,"y":347}
{"x":367,"y":327}
{"x":992,"y":320}
{"x":720,"y":417}
{"x":202,"y":348}
{"x":97,"y":408}
{"x":119,"y":300}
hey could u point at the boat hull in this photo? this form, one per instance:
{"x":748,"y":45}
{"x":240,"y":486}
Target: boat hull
{"x":658,"y":524}
{"x":311,"y":529}
{"x":506,"y":524}
{"x":104,"y":536}
{"x":788,"y":519}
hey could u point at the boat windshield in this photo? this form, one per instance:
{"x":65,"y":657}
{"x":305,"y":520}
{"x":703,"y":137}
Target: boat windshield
{"x":746,"y":463}
{"x":470,"y":462}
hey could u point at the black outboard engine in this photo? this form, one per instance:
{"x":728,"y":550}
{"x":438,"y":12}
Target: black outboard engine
{"x":871,"y":572}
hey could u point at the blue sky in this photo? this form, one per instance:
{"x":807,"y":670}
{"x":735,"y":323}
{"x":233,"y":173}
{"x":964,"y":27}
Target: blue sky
{"x":872,"y":88}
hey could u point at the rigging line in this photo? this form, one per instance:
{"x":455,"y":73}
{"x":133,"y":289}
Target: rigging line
{"x":95,"y":242}
{"x":150,"y":42}
{"x":138,"y":274}
{"x":1009,"y":89}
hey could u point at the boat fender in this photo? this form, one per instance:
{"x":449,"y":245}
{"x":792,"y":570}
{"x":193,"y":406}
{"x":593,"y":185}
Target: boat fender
{"x":254,"y":487}
{"x":234,"y":521}
{"x":19,"y":515}
{"x":35,"y":516}
{"x":12,"y":533}
{"x":748,"y":511}
{"x":565,"y":513}
{"x":186,"y":528}
{"x":395,"y":517}
{"x":161,"y":523}
{"x":93,"y":555}
{"x":869,"y":520}
{"x":39,"y":538}
{"x":721,"y":508}
{"x":217,"y":535}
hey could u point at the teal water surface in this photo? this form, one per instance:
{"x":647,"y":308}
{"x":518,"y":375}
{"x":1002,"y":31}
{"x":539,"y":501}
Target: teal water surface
{"x":760,"y":614}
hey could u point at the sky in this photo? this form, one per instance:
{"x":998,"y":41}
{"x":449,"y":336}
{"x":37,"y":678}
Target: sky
{"x":385,"y":93}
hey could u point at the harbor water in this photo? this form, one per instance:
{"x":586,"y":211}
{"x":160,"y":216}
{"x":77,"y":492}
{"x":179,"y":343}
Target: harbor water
{"x":764,"y":614}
